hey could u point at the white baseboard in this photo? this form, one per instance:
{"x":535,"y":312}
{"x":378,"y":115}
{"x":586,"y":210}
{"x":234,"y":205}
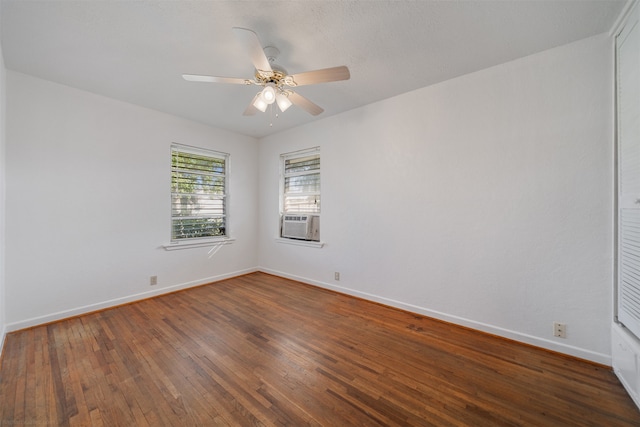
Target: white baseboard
{"x":604,"y":359}
{"x":28,"y":323}
{"x":3,"y":335}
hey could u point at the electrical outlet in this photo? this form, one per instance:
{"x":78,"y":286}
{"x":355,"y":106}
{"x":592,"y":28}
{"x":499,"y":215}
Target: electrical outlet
{"x":336,"y":276}
{"x":153,"y":280}
{"x":559,"y":330}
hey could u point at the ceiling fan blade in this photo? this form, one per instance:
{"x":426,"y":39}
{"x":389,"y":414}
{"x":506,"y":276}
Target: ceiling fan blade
{"x":251,"y":110}
{"x":320,"y":76}
{"x":251,"y":43}
{"x":305,"y":104}
{"x":213,"y":79}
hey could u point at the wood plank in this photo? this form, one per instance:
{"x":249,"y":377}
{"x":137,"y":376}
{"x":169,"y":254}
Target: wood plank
{"x":266,"y":351}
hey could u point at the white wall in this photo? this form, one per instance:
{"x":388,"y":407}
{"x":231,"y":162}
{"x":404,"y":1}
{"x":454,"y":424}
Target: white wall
{"x":485,"y":200}
{"x":87,"y":202}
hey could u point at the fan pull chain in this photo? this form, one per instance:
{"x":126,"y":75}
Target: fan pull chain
{"x":271,"y":108}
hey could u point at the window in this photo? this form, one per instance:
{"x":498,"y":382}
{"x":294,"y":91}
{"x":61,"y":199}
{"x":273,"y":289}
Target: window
{"x":300,"y":194}
{"x":198,"y":193}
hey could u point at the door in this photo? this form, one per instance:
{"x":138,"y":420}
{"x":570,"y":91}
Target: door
{"x":628,"y":96}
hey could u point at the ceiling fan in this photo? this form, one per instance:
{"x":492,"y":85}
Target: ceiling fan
{"x":273,"y":78}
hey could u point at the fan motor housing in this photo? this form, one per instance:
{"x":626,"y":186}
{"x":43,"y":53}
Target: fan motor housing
{"x":264,"y":77}
{"x":277,"y":74}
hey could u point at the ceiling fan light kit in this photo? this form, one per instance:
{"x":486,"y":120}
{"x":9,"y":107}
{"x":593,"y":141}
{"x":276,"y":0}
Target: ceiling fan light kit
{"x":269,"y":93}
{"x":283,"y":101}
{"x":259,"y":103}
{"x":274,"y":78}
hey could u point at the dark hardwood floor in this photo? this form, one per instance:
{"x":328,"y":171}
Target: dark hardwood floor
{"x":261,"y":350}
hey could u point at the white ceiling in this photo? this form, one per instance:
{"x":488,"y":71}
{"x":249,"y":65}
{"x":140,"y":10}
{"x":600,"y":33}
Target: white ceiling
{"x":136,"y":51}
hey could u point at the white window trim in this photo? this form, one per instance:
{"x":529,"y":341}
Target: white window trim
{"x":203,"y":241}
{"x":295,"y":242}
{"x":283,"y":157}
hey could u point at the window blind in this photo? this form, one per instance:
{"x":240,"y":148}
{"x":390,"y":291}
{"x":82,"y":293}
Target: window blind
{"x":302,"y":184}
{"x":198,"y":193}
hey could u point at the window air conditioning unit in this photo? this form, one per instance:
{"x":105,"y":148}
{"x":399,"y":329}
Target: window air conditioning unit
{"x":301,"y":226}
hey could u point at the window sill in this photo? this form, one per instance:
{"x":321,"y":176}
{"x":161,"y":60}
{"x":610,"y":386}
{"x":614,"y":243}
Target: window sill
{"x":198,"y":244}
{"x":295,"y":242}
